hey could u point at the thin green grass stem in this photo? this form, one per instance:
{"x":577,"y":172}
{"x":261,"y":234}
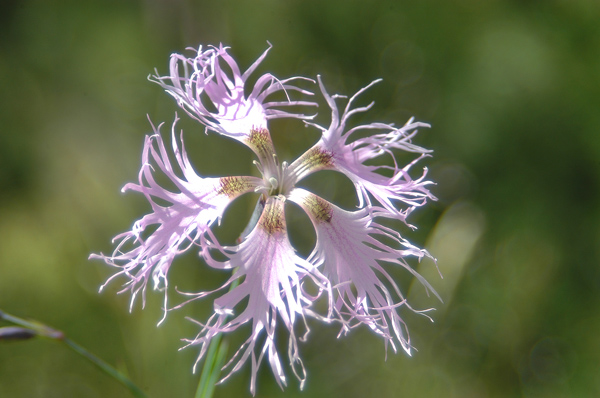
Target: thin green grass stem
{"x":43,"y":330}
{"x":215,"y":358}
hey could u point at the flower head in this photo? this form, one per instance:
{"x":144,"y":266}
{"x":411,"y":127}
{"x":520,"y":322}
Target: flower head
{"x":267,"y":289}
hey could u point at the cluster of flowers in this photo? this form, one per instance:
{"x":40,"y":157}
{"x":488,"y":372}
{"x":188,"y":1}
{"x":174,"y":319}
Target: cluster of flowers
{"x":345,"y":266}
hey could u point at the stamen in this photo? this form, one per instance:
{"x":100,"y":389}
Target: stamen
{"x":258,"y":166}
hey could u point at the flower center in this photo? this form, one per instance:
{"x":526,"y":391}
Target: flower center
{"x":275,"y":177}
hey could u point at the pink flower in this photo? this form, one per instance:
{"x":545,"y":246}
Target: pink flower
{"x":269,"y":284}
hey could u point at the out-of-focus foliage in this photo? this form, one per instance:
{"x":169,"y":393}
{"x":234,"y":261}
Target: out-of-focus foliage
{"x":512,"y":89}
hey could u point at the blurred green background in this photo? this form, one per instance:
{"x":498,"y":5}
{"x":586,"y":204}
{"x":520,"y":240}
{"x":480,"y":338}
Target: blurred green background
{"x":511,"y":88}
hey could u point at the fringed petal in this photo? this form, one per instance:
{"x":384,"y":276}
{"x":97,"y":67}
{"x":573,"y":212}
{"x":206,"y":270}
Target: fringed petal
{"x":270,"y":273}
{"x":178,"y":219}
{"x":350,"y":247}
{"x":337,"y":151}
{"x":211,"y":89}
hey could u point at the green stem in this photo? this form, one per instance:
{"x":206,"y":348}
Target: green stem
{"x":105,"y":367}
{"x":215,"y":357}
{"x":219,"y":361}
{"x":48,"y":332}
{"x":212,"y":367}
{"x":217,"y":350}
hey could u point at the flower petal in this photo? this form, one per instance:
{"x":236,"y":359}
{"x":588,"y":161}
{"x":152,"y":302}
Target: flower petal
{"x":210,"y":88}
{"x":186,"y":217}
{"x":271,"y":275}
{"x":335,"y":151}
{"x":350,"y":245}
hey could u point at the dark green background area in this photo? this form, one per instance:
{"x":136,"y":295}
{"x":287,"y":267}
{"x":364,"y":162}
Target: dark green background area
{"x":511,"y":89}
